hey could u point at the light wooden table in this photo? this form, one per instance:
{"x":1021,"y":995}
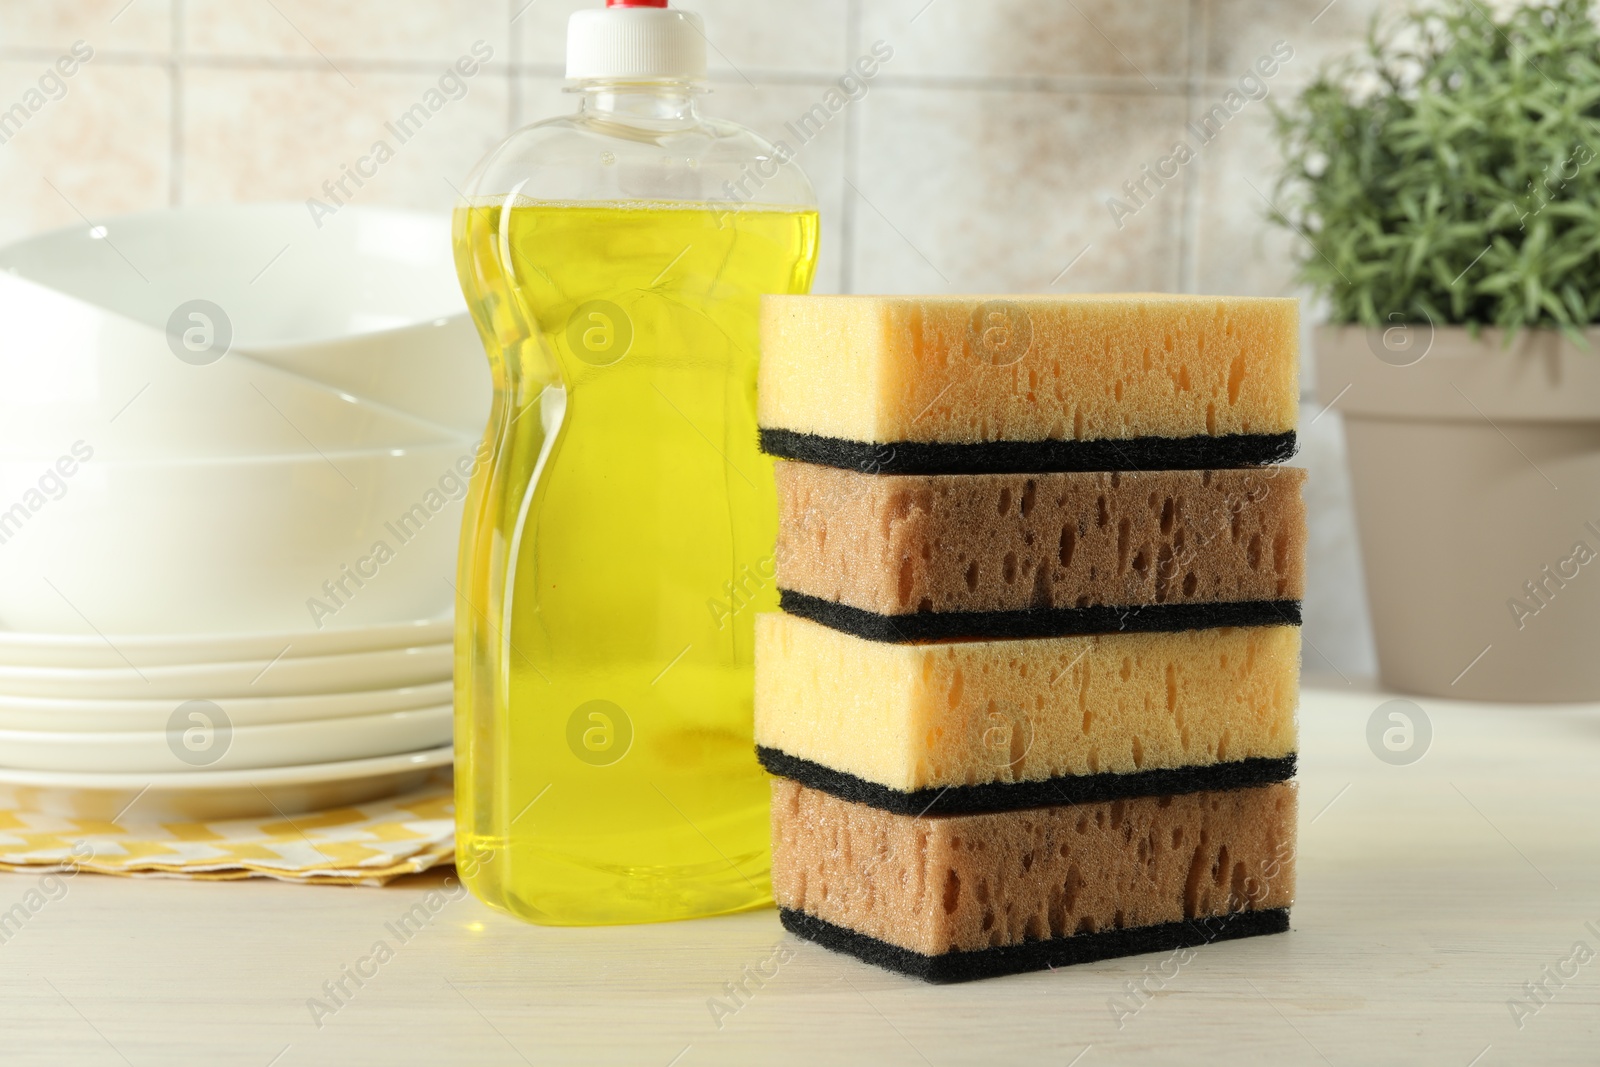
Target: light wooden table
{"x":1428,"y":895}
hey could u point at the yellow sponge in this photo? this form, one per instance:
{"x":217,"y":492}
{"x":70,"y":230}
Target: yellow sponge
{"x":915,"y":717}
{"x":967,"y":369}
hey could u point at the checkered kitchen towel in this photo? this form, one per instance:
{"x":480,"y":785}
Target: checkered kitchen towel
{"x":368,"y":844}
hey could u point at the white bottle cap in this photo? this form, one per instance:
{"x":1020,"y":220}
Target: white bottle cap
{"x":636,"y":40}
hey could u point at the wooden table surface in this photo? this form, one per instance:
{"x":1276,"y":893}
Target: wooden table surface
{"x":1430,"y":895}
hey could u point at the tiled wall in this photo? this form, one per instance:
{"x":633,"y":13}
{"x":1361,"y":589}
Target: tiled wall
{"x":981,"y":158}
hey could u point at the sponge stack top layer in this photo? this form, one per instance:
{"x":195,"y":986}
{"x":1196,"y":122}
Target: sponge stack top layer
{"x":973,"y":369}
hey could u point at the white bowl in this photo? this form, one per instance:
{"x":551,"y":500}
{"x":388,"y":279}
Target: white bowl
{"x":154,"y":650}
{"x":42,"y":714}
{"x":282,"y":277}
{"x":231,"y":546}
{"x":202,"y":744}
{"x":386,"y":668}
{"x":90,"y":317}
{"x":71,"y":372}
{"x":434,"y":371}
{"x":210,"y":796}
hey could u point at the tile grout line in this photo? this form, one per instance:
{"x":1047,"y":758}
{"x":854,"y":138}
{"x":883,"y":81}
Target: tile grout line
{"x":1084,"y":85}
{"x":1077,"y":84}
{"x":513,"y":67}
{"x":176,"y":84}
{"x":847,"y":198}
{"x":1197,"y":40}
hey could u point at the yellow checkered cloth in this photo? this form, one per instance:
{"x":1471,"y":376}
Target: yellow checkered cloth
{"x":368,"y":844}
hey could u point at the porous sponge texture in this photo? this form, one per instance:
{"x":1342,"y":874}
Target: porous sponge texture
{"x":968,"y":882}
{"x":895,"y":544}
{"x":967,"y":369}
{"x":973,"y":712}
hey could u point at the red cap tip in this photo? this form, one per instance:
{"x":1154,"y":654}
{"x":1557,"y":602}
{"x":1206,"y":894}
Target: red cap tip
{"x":636,"y":3}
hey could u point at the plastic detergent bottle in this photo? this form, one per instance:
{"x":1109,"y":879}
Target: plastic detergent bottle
{"x":619,"y":532}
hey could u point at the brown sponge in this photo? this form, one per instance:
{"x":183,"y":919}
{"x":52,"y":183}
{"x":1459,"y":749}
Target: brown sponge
{"x":950,"y":887}
{"x":900,"y":544}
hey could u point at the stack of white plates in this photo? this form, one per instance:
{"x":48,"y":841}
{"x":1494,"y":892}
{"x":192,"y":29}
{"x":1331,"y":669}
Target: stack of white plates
{"x":288,"y":720}
{"x":233,"y":451}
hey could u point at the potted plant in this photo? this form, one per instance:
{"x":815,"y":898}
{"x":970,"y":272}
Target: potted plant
{"x":1446,"y":183}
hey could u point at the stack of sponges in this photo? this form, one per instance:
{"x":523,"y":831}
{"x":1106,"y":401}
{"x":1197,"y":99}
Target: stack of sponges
{"x":1031,"y":699}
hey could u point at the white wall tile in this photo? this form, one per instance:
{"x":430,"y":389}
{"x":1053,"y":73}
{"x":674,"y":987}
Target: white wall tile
{"x":1238,"y":32}
{"x":774,"y":35}
{"x":543,"y":98}
{"x":101,"y":149}
{"x":1239,"y":250}
{"x":541,"y":26}
{"x":1337,"y":636}
{"x":1000,"y":191}
{"x":259,"y":135}
{"x":1025,"y":38}
{"x":120,"y":25}
{"x":436,"y":31}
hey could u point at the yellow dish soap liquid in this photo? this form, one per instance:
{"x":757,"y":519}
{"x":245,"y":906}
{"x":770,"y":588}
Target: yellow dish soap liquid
{"x":619,"y":533}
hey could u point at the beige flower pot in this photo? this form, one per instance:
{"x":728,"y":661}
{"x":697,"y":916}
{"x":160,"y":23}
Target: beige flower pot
{"x":1476,"y":475}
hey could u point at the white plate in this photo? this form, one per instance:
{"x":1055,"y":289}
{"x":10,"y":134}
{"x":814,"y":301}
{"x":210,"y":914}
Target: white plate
{"x":202,"y":739}
{"x":156,"y":650}
{"x":132,"y":716}
{"x":212,"y":796}
{"x":387,"y":668}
